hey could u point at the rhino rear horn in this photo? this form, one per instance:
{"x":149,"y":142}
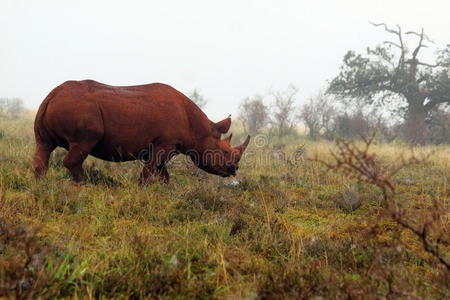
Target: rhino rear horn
{"x":228,"y":139}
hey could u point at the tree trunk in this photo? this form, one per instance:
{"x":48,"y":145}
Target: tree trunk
{"x":312,"y":133}
{"x":415,"y":121}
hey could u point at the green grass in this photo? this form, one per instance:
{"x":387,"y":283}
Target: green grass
{"x":280,"y":232}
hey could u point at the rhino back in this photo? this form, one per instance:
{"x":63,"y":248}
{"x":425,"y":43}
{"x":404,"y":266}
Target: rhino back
{"x":125,"y":119}
{"x":134,"y":119}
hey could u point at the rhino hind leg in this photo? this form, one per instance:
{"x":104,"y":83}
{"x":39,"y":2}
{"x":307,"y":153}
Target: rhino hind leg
{"x":74,"y":159}
{"x":41,"y":158}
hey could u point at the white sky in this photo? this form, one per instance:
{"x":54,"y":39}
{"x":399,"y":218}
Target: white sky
{"x":227,"y":49}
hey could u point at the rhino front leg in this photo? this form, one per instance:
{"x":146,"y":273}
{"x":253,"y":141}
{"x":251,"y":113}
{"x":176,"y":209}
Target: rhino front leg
{"x":148,"y":174}
{"x":155,"y":167}
{"x":162,"y":172}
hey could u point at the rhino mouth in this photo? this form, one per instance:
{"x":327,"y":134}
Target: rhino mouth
{"x":226,"y":174}
{"x":229,"y":171}
{"x":222,"y":173}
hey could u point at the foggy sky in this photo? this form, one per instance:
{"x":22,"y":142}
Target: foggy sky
{"x":227,"y":49}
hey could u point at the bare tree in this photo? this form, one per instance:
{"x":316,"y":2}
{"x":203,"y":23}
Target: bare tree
{"x":198,"y":98}
{"x":284,"y":115}
{"x":390,"y":73}
{"x":318,"y":114}
{"x":253,"y":113}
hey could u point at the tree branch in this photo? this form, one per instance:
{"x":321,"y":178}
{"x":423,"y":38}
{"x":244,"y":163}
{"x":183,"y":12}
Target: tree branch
{"x":402,"y":56}
{"x":416,"y":51}
{"x":432,"y":103}
{"x":385,"y":27}
{"x":428,"y":65}
{"x":427,"y":38}
{"x":392,"y":43}
{"x":401,"y":45}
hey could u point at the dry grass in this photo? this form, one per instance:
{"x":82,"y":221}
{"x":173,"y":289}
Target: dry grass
{"x":278,"y":231}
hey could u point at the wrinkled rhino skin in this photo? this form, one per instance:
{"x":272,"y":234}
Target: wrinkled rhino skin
{"x":151,"y":122}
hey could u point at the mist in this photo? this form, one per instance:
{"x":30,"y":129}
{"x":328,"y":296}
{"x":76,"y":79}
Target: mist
{"x":227,"y":50}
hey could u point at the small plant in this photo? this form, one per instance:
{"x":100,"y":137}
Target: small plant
{"x":22,"y":270}
{"x":430,"y":226}
{"x":349,"y":199}
{"x":96,"y":176}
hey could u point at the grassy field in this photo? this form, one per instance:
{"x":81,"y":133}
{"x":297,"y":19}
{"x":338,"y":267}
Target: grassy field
{"x":277,"y":230}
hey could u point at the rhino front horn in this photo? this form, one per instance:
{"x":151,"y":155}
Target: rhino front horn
{"x":244,"y":145}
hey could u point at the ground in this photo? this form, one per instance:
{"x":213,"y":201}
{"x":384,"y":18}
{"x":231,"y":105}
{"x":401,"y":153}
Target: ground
{"x":283,"y":228}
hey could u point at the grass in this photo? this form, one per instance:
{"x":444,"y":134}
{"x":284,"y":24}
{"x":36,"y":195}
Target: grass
{"x":275,"y":231}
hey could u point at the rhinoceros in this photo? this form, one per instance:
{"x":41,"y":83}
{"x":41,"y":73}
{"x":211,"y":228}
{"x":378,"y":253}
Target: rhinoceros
{"x":151,"y":123}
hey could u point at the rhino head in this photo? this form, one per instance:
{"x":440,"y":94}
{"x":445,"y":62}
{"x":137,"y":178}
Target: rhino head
{"x":216,"y":155}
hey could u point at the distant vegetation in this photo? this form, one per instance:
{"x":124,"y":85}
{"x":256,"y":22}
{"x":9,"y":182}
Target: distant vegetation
{"x":394,"y":75}
{"x":390,"y":90}
{"x":324,"y":116}
{"x":198,"y":98}
{"x":11,"y":108}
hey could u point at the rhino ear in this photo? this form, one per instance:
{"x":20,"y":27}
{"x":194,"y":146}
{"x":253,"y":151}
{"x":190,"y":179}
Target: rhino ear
{"x":224,"y":125}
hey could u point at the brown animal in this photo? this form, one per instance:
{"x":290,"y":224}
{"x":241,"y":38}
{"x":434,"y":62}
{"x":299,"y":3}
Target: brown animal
{"x":152,"y":122}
